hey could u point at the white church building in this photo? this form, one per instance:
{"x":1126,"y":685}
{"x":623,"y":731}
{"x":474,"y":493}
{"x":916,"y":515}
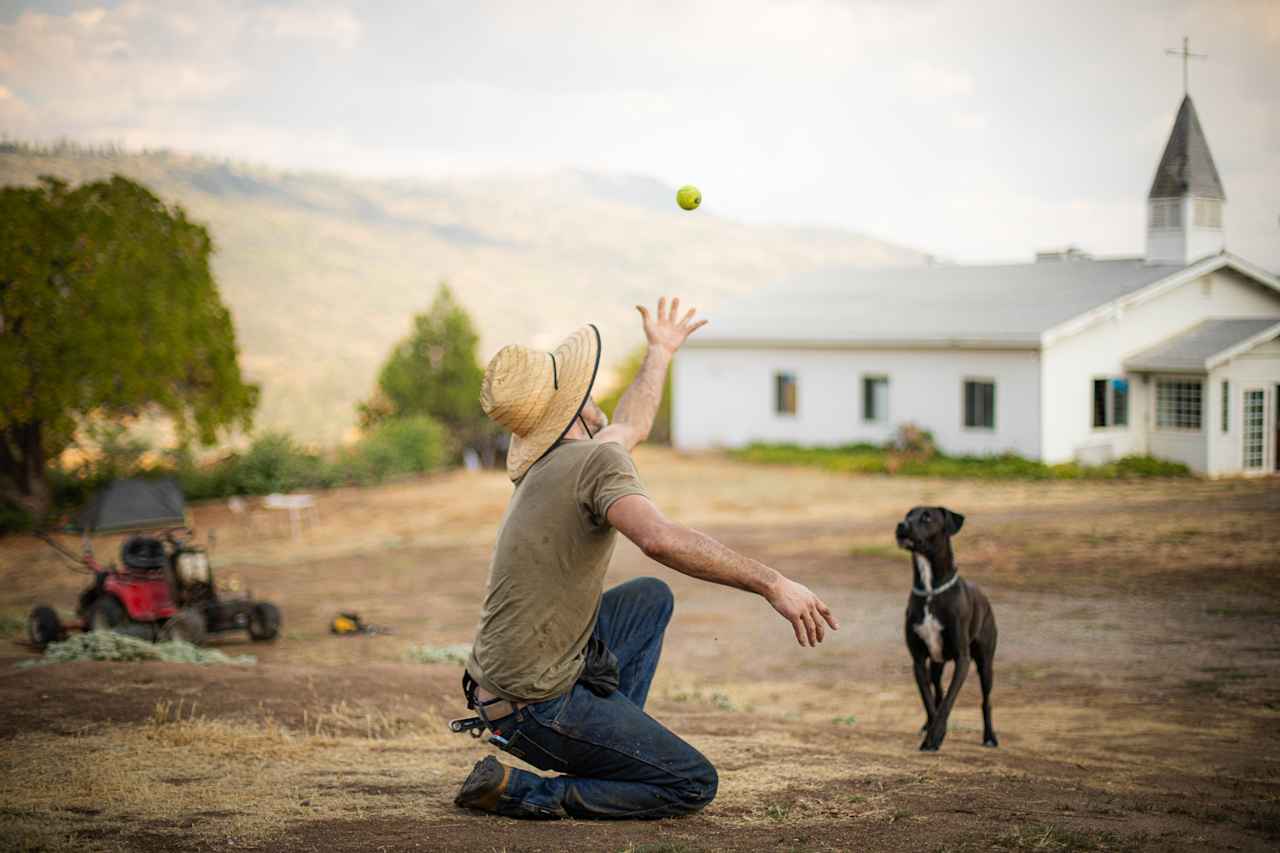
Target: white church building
{"x":1175,"y":354}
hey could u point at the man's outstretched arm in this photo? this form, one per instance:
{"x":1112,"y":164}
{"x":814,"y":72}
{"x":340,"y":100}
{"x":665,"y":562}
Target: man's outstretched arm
{"x":665,"y":332}
{"x":698,"y":555}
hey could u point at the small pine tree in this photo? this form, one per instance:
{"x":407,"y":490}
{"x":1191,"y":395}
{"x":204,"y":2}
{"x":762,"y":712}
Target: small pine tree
{"x":435,"y":372}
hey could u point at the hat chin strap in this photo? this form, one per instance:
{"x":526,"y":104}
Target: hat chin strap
{"x":555,"y":382}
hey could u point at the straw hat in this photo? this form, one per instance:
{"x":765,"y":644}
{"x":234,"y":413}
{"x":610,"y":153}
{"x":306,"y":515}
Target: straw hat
{"x":537,"y":395}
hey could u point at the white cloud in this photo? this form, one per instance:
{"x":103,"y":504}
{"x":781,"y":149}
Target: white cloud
{"x":89,"y":18}
{"x":968,"y":121}
{"x":932,"y":82}
{"x":867,"y":114}
{"x":332,"y":24}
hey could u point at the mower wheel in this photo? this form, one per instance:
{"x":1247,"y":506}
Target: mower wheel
{"x":44,"y":627}
{"x":105,"y":614}
{"x":264,"y":622}
{"x":186,"y":625}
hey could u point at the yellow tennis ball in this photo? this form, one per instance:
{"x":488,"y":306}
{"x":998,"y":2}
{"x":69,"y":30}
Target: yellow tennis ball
{"x":688,"y":197}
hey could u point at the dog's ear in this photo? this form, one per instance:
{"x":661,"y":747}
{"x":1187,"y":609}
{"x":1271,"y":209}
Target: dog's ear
{"x":954,"y":521}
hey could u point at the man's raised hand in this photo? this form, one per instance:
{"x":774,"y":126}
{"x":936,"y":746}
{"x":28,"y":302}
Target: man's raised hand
{"x":804,"y":610}
{"x":668,"y":330}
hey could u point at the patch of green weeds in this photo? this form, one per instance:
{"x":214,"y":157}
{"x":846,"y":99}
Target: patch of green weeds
{"x":878,"y":551}
{"x":455,"y":654}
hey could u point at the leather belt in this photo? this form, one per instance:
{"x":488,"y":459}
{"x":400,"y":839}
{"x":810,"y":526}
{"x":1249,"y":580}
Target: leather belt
{"x":500,"y":707}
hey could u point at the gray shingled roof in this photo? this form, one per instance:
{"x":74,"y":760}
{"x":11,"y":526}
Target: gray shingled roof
{"x":940,"y":305}
{"x":1187,"y":166}
{"x":1191,"y":350}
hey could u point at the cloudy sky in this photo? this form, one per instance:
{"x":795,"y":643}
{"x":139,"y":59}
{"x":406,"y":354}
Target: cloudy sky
{"x":976,"y":131}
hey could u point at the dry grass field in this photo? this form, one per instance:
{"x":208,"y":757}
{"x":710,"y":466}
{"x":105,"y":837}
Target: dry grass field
{"x":1137,"y":688}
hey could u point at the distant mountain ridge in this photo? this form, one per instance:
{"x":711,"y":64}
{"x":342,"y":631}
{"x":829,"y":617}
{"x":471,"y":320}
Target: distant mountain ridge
{"x":323,"y":272}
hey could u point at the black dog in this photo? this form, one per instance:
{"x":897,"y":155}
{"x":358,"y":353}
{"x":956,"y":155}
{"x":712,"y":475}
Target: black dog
{"x":948,"y":619}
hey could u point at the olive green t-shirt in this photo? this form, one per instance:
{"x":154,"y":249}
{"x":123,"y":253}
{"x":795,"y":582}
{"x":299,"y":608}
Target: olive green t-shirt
{"x":547,"y":572}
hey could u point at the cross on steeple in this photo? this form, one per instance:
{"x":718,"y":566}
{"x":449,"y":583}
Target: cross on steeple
{"x":1186,"y":54}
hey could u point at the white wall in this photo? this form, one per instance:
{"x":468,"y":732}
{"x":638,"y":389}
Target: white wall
{"x":725,"y":397}
{"x":1257,"y":369}
{"x":1201,"y":242}
{"x":1069,"y":365}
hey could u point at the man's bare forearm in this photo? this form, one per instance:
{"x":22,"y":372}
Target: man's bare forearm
{"x":639,"y":403}
{"x":699,"y":556}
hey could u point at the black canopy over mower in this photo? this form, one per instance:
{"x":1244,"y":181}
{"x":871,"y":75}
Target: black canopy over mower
{"x":163,"y":588}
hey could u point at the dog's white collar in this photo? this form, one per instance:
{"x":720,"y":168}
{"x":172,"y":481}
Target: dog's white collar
{"x":930,"y":594}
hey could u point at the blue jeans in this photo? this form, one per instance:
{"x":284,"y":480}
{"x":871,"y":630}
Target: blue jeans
{"x":616,"y":760}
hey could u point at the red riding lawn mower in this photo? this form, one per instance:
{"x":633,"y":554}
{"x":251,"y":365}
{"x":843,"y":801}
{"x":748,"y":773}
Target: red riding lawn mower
{"x":163,"y":588}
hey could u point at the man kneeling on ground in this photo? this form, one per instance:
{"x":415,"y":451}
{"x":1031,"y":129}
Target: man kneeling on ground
{"x":560,"y":670}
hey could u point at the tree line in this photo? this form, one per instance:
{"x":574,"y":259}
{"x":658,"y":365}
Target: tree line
{"x":109,"y":312}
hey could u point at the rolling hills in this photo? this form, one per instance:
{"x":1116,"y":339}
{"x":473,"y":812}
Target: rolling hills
{"x":323,"y":272}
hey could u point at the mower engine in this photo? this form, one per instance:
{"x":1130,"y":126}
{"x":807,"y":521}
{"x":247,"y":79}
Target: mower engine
{"x":143,"y":554}
{"x":192,"y":567}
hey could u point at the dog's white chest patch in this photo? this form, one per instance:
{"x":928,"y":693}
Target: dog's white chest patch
{"x":928,"y":629}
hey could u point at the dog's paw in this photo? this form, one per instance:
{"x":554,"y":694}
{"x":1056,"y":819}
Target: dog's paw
{"x":991,"y":741}
{"x":933,"y":740}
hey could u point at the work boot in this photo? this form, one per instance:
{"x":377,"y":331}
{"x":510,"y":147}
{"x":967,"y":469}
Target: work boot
{"x":485,"y":786}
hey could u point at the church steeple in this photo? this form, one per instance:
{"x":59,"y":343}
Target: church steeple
{"x":1184,"y":207}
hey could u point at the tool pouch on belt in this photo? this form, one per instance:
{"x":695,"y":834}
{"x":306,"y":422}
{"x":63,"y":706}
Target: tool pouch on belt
{"x":600,"y":674}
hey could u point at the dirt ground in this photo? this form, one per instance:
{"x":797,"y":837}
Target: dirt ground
{"x":1137,"y":692}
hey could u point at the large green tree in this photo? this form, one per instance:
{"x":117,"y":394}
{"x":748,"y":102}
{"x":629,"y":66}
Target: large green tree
{"x":108,"y":309}
{"x":434,"y":371}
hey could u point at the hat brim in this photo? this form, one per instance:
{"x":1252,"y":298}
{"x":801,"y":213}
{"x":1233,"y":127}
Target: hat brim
{"x":577,"y":360}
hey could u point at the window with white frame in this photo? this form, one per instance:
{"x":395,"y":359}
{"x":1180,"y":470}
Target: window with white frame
{"x":1110,"y":402}
{"x":1255,"y":429}
{"x":784,"y":393}
{"x":1178,"y":404}
{"x":875,"y":399}
{"x":979,"y":404}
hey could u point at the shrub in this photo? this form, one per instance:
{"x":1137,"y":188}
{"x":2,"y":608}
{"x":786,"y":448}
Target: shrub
{"x":14,"y":519}
{"x":914,"y":441}
{"x":866,"y":459}
{"x":409,"y":445}
{"x":208,"y":481}
{"x":274,"y":463}
{"x":1149,"y":466}
{"x":911,"y":446}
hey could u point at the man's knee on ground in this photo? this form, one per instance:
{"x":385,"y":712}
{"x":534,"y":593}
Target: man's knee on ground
{"x":700,"y":788}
